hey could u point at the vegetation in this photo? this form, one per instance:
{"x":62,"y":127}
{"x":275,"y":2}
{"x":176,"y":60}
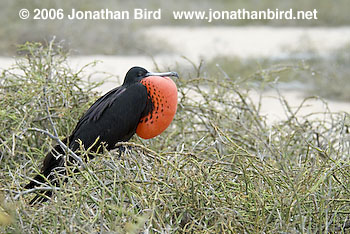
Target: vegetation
{"x":219,"y":167}
{"x":322,"y":76}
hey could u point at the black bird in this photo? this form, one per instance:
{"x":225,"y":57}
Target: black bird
{"x":145,"y":103}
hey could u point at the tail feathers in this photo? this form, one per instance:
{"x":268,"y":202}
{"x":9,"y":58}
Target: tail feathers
{"x":37,"y":180}
{"x":41,"y":197}
{"x":52,"y":162}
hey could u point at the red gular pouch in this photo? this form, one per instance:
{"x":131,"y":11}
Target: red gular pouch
{"x":163,"y":93}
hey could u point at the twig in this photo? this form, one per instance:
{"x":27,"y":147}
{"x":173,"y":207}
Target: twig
{"x":34,"y":190}
{"x":48,"y":112}
{"x":74,"y":155}
{"x":55,"y":136}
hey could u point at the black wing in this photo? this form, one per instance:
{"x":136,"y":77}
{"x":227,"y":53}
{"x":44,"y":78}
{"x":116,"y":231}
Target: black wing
{"x":95,"y":111}
{"x":112,"y":118}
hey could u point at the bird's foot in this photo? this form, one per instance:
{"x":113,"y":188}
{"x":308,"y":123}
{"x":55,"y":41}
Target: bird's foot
{"x":122,"y":149}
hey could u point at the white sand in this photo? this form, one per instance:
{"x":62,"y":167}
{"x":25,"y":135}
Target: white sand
{"x":246,"y":42}
{"x":274,"y":109}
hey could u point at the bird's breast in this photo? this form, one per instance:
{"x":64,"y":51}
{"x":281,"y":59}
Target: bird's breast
{"x":163,"y":94}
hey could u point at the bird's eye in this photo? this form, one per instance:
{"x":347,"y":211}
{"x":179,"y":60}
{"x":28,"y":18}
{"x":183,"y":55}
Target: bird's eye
{"x":140,"y":73}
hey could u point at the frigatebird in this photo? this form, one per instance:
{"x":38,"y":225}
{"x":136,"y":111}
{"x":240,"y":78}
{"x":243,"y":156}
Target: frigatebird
{"x":145,"y":104}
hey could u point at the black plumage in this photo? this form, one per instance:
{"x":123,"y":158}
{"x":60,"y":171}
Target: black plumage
{"x":113,"y":118}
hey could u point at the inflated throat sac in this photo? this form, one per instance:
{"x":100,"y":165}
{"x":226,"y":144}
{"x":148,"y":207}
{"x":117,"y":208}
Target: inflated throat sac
{"x":163,"y":92}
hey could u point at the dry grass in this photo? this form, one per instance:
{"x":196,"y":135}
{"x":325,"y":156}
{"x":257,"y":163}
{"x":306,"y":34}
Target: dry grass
{"x":218,"y":168}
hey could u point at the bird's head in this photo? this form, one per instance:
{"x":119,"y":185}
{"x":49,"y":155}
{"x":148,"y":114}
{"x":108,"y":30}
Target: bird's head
{"x":136,"y":74}
{"x":162,"y":92}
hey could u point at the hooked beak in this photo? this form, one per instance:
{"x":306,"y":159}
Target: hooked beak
{"x":174,"y":74}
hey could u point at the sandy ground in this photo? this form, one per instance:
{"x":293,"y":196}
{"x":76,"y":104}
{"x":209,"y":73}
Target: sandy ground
{"x":274,"y":109}
{"x":243,"y":42}
{"x":246,"y":42}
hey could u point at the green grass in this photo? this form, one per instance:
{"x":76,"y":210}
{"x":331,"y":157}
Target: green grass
{"x":123,"y":37}
{"x":219,"y":167}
